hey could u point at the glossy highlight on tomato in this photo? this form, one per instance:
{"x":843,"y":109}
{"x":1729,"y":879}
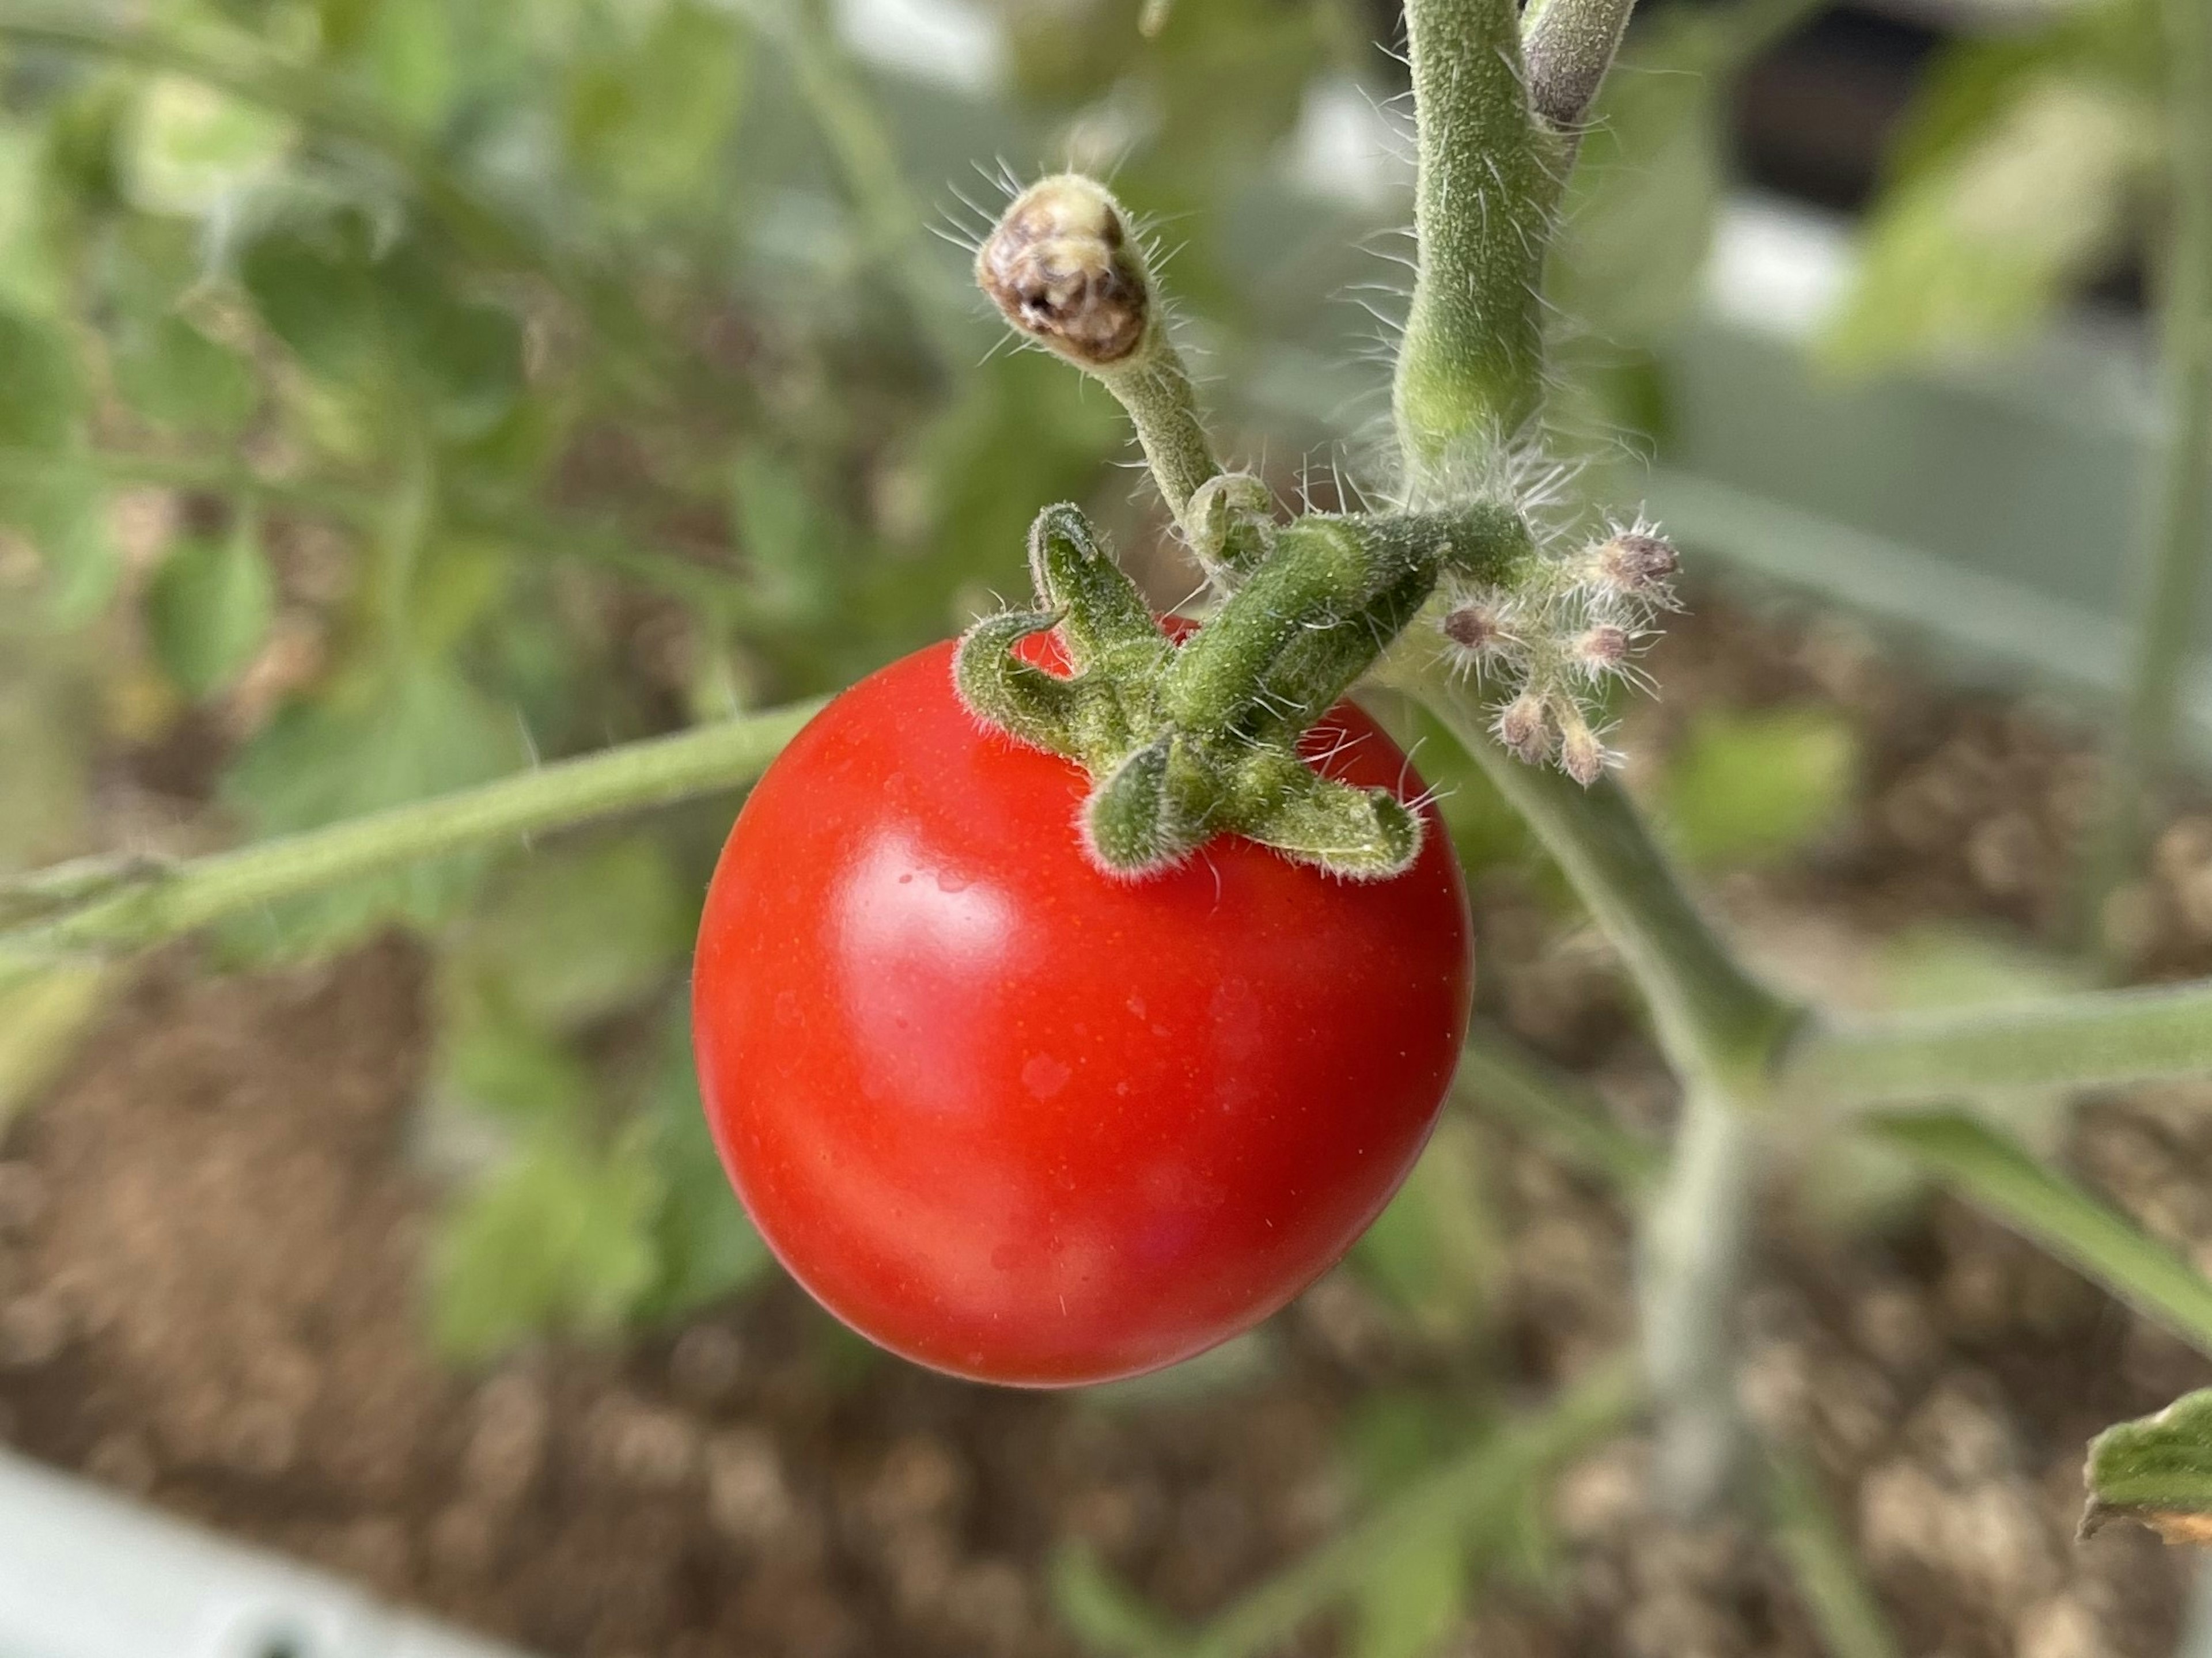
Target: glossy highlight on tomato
{"x":1016,"y":1120}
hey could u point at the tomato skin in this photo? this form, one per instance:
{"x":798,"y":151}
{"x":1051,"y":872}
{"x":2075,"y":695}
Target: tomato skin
{"x":1019,"y":1121}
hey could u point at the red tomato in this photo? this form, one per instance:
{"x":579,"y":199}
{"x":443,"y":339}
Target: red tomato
{"x":1018,"y":1121}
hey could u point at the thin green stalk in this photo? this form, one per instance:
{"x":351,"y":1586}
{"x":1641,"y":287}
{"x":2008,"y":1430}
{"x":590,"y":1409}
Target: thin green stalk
{"x":1722,"y":1030}
{"x":848,"y":116}
{"x":1163,"y":406}
{"x":1996,"y":1174}
{"x":2181,"y":540}
{"x":144,"y":905}
{"x":1693,"y":1257}
{"x":1500,"y":1079}
{"x":1443,"y":1503}
{"x":1470,"y":369}
{"x":1814,"y":1547}
{"x":1718,"y":1023}
{"x":2084,"y":1039}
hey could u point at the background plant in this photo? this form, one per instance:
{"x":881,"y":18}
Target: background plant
{"x":471,"y":394}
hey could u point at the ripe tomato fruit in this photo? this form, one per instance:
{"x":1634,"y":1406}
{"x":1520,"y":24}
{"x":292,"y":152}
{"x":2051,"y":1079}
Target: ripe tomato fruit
{"x":1016,"y":1120}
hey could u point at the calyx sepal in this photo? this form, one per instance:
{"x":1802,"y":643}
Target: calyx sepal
{"x":1186,"y":740}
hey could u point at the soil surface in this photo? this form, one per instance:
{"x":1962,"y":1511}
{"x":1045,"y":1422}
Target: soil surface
{"x":208,"y":1296}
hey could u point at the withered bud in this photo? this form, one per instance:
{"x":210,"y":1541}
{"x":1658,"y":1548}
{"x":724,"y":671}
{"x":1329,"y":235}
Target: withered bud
{"x":1475,"y":627}
{"x":1524,"y":730}
{"x":1636,"y":562}
{"x":1059,"y":266}
{"x":1605,"y":645}
{"x":1581,"y":756}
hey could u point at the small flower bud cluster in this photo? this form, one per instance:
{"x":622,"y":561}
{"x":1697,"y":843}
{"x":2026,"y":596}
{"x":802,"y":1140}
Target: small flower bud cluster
{"x":1557,"y":638}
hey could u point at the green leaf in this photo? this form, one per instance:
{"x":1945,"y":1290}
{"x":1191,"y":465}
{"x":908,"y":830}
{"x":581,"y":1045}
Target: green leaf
{"x":176,"y":376}
{"x":1434,"y":1251}
{"x":209,"y":608}
{"x":1749,"y":787}
{"x":1975,"y":251}
{"x":354,"y":751}
{"x":559,"y":1239}
{"x":190,"y":148}
{"x":1991,"y":1171}
{"x":2156,"y":1470}
{"x":1104,"y":1613}
{"x":312,"y":284}
{"x":412,"y":59}
{"x":1646,"y":189}
{"x":61,"y":506}
{"x":39,"y":372}
{"x":573,"y":936}
{"x":43,"y":1016}
{"x":650,"y":123}
{"x":490,"y":1060}
{"x":791,"y":544}
{"x":1411,"y":1601}
{"x":1819,"y":1551}
{"x":707,"y":1246}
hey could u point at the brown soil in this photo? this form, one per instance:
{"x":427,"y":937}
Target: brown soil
{"x":208,"y":1297}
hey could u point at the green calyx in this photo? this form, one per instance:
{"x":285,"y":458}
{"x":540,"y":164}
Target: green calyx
{"x":1185,"y":741}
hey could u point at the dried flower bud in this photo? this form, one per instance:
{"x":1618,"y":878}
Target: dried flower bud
{"x":1605,"y":646}
{"x":1523,"y":728}
{"x":1635,"y":561}
{"x":1581,"y":756}
{"x":1059,"y":266}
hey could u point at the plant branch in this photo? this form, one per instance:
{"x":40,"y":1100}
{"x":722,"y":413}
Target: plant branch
{"x":1499,"y":1078}
{"x":1693,"y":1257}
{"x":1995,"y":1174}
{"x":137,"y":905}
{"x":1478,"y":1482}
{"x":2172,"y":589}
{"x":1470,"y":370}
{"x":1718,"y":1024}
{"x":2086,"y":1039}
{"x":1819,"y":1556}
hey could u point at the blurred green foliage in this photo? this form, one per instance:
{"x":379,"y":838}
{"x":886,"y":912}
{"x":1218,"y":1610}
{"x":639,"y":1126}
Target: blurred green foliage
{"x":398,"y":391}
{"x":2021,"y":173}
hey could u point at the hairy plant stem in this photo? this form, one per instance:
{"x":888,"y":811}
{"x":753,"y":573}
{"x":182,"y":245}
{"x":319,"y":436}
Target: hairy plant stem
{"x":2085,"y":1039}
{"x":117,"y":907}
{"x":2173,"y":571}
{"x":1162,"y":405}
{"x":1722,"y":1030}
{"x":1478,"y":1482}
{"x":1470,"y":374}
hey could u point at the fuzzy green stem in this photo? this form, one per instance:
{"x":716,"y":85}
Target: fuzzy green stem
{"x":1718,"y":1024}
{"x":2086,"y":1039}
{"x":1820,"y":1555}
{"x":1722,"y":1030}
{"x":145,"y":905}
{"x":1470,"y":370}
{"x":1996,"y":1175}
{"x":1163,"y":406}
{"x":2181,"y":541}
{"x":1443,"y":1503}
{"x":1691,"y":1257}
